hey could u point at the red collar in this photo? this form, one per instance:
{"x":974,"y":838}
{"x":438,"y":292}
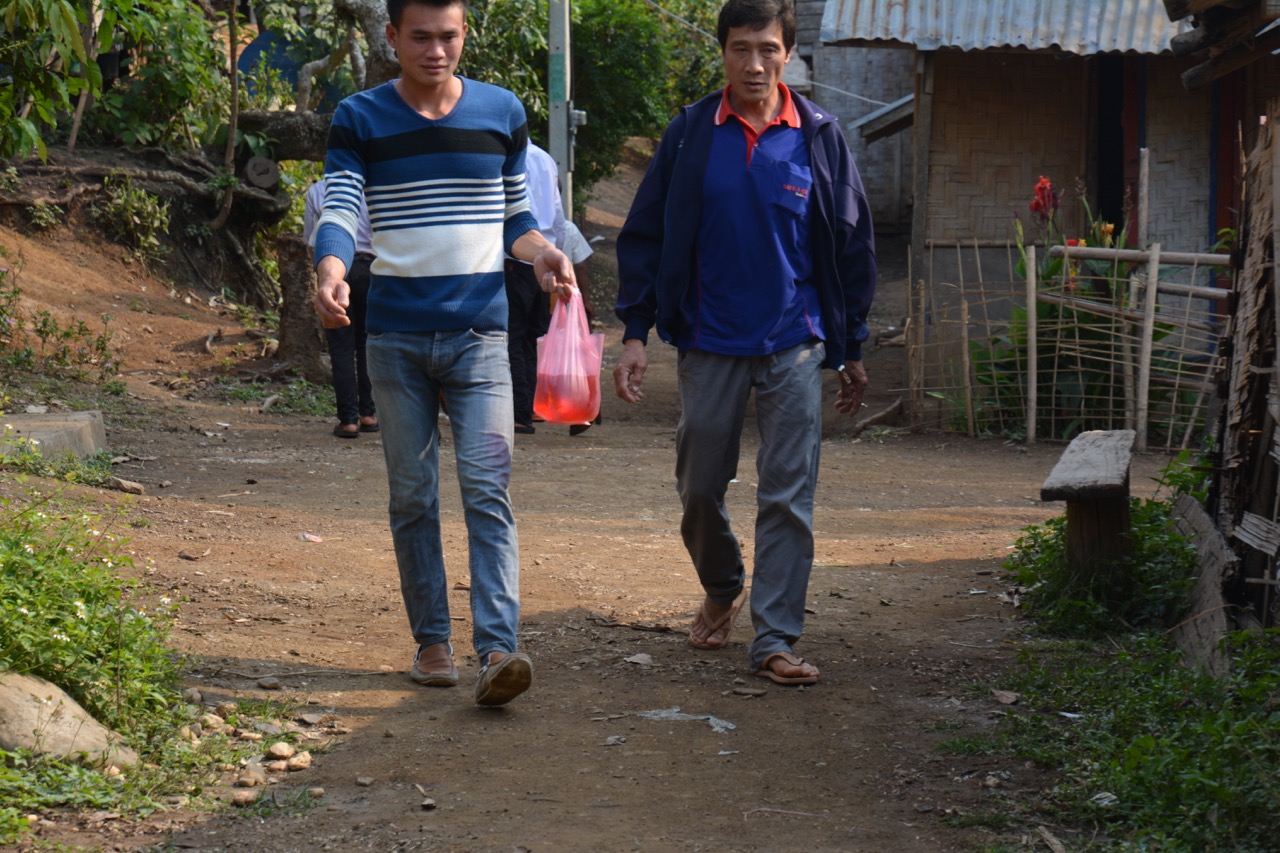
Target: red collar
{"x":787,"y":115}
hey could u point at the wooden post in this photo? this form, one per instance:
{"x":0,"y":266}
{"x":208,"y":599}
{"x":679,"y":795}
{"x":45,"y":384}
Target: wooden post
{"x":1033,"y":347}
{"x":1148,"y":342}
{"x":1130,"y":364}
{"x":1144,"y":175}
{"x":965,"y":360}
{"x":1092,"y":476}
{"x":922,"y":140}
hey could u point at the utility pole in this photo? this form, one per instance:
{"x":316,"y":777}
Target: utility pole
{"x":561,"y":136}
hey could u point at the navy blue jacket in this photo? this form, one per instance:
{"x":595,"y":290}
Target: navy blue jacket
{"x":657,"y":247}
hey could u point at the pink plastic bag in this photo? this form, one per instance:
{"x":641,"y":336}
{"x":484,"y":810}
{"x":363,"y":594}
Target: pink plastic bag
{"x":569,"y":357}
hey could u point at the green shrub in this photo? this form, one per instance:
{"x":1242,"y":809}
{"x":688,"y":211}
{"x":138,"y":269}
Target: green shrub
{"x":1148,"y":589}
{"x":67,"y":616}
{"x":134,"y":217}
{"x":45,"y":216}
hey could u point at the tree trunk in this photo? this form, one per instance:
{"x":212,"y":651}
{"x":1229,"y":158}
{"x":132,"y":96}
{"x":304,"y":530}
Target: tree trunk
{"x":301,"y":338}
{"x":296,"y":136}
{"x":371,"y":17}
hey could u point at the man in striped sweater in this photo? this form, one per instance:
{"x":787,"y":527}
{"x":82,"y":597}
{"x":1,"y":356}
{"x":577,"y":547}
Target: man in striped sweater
{"x":440,"y":161}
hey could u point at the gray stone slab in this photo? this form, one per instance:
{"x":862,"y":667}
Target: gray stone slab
{"x":55,"y":434}
{"x":1094,"y":465}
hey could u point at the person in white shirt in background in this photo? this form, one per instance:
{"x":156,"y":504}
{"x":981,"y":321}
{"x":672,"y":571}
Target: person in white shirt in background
{"x":351,"y":386}
{"x":528,"y":305}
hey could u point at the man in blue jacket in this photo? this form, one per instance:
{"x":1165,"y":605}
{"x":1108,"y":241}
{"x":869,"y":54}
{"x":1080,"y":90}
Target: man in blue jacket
{"x":749,"y":246}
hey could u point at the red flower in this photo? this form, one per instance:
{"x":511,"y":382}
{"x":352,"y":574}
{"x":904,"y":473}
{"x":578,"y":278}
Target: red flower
{"x":1044,"y":203}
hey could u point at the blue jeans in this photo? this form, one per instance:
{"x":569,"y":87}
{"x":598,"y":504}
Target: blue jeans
{"x":411,"y":372}
{"x":714,"y":391}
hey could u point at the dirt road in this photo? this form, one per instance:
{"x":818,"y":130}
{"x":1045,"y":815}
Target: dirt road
{"x":906,"y":618}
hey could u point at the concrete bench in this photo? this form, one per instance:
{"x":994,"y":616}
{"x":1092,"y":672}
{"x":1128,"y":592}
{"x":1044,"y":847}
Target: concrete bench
{"x":1092,"y":476}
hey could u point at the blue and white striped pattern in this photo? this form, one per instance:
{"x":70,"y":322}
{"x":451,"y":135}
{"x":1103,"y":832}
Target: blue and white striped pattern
{"x":446,"y":198}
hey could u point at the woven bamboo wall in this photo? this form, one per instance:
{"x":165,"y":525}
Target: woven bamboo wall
{"x":1181,"y":165}
{"x":1001,"y":120}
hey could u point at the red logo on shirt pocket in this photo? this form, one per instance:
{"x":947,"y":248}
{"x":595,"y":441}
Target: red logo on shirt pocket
{"x":799,"y":192}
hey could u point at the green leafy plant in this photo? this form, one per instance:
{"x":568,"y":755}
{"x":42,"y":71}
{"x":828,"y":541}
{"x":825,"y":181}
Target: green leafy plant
{"x":44,"y":216}
{"x":1079,"y":384}
{"x":40,"y":42}
{"x":1147,"y":590}
{"x":40,"y":343}
{"x":1189,"y":474}
{"x":174,"y":91}
{"x":134,"y":217}
{"x":68,"y":617}
{"x":10,"y":180}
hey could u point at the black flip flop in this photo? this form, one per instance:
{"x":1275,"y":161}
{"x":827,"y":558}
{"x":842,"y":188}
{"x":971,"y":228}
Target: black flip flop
{"x":342,"y":433}
{"x":370,"y":427}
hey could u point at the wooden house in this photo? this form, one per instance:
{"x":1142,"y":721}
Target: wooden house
{"x":1004,"y":91}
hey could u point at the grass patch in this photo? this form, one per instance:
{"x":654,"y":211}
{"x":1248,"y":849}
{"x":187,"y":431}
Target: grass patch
{"x":1150,"y":754}
{"x":69,"y":613}
{"x":295,"y":397}
{"x":1160,"y":756}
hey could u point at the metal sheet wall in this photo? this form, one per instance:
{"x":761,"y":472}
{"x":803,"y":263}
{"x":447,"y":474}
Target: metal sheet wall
{"x":1083,"y":27}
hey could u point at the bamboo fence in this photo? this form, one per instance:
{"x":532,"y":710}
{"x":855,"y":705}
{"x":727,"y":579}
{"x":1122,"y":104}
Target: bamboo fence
{"x":1118,"y":339}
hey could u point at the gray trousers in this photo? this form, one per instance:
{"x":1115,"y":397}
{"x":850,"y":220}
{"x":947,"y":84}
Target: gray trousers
{"x":714,"y":391}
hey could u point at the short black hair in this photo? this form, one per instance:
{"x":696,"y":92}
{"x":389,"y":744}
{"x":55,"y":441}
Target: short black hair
{"x":757,"y":14}
{"x":395,"y":8}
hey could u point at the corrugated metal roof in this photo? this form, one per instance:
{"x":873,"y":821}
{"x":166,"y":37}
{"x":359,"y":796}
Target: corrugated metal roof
{"x":1076,"y":26}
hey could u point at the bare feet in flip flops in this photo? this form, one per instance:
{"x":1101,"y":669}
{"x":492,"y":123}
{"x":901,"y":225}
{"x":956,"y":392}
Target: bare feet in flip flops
{"x":786,"y":668}
{"x":713,"y":625}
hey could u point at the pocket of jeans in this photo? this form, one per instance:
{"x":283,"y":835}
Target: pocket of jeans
{"x":495,"y":336}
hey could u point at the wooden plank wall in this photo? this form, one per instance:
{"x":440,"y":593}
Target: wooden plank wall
{"x":1247,"y":491}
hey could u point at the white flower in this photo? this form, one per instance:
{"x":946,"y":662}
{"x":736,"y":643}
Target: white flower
{"x":80,"y":609}
{"x":24,"y":611}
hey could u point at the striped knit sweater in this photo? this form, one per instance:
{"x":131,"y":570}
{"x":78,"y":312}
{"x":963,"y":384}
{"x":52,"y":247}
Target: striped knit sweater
{"x":446,"y":198}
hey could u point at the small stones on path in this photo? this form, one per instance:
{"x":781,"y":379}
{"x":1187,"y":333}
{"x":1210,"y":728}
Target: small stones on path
{"x":281,"y":750}
{"x":270,"y":682}
{"x":364,"y":781}
{"x":244,"y":798}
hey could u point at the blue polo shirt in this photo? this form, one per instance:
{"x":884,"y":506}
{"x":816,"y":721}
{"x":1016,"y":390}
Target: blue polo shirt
{"x":755,"y":293}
